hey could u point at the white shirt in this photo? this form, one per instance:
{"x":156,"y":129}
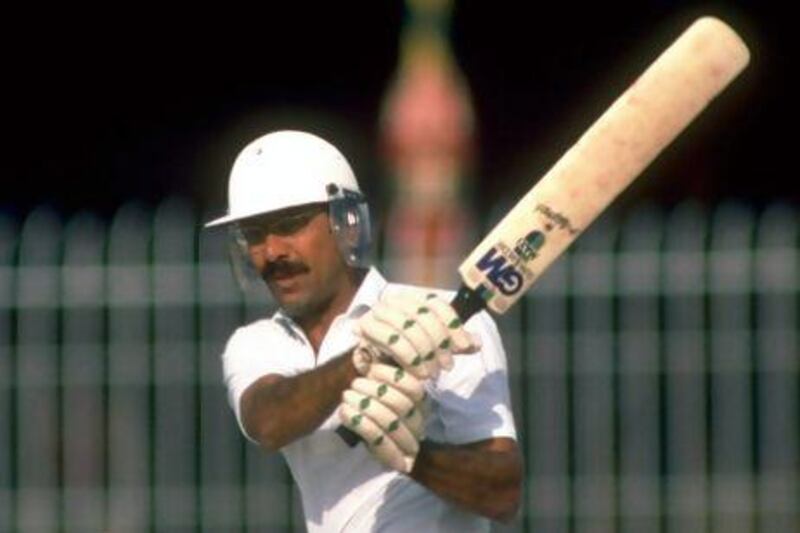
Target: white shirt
{"x":344,"y":488}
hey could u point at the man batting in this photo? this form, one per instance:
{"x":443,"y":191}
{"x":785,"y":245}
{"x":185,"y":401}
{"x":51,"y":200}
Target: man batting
{"x":427,"y":394}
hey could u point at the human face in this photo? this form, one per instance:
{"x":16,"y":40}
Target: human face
{"x":297,"y":257}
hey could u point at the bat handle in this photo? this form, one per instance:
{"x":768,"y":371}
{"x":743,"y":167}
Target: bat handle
{"x":467,"y":302}
{"x":348,"y":436}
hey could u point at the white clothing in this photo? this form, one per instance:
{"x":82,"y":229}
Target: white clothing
{"x":344,"y":488}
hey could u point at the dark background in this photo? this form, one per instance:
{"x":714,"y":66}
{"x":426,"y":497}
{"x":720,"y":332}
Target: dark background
{"x":132,"y":102}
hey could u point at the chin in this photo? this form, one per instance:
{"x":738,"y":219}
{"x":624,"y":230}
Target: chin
{"x":293,"y":309}
{"x":296,"y":308}
{"x":305,"y":308}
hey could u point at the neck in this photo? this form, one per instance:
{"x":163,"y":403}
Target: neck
{"x":316,"y":325}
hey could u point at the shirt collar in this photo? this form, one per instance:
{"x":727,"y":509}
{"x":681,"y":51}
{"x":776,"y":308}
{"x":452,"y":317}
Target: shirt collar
{"x":367,"y":294}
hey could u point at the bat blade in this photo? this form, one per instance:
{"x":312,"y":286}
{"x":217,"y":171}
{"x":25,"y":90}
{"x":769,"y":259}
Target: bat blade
{"x":652,"y":112}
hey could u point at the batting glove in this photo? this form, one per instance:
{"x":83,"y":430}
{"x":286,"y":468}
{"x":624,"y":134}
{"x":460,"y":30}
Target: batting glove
{"x":418,"y":332}
{"x":387,"y":409}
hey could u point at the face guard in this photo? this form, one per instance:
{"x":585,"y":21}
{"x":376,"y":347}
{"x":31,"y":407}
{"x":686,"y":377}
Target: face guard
{"x":349,"y":219}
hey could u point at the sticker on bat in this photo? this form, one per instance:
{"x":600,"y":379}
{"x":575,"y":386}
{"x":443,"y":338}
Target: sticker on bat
{"x":527,"y":247}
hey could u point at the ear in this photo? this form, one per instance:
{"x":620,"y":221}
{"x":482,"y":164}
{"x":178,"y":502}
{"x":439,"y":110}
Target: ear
{"x":351,"y":229}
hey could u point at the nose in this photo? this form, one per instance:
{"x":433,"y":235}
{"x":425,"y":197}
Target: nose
{"x":274,"y":247}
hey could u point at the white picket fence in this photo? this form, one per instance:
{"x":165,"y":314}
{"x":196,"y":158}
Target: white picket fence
{"x":656,"y":378}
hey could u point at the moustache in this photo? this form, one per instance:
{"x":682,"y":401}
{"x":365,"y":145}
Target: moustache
{"x":283,"y":268}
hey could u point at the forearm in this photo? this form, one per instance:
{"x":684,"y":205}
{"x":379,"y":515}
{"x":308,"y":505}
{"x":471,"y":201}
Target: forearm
{"x":484,"y":477}
{"x":277,"y":410}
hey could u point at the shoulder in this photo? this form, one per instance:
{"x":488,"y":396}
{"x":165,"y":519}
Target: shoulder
{"x":269,"y":330}
{"x":265,"y":347}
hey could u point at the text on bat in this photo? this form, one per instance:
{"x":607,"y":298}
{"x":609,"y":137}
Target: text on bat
{"x":556,"y":218}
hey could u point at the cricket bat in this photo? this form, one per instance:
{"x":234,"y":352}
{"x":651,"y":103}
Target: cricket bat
{"x":613,"y":152}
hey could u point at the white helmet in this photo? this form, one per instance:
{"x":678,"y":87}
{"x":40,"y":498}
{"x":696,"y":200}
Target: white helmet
{"x":284,"y":169}
{"x":287,"y":169}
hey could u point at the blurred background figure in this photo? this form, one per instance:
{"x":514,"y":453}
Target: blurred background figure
{"x":427,"y":129}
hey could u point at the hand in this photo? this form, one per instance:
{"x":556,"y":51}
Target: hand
{"x":418,"y":332}
{"x":386,"y":408}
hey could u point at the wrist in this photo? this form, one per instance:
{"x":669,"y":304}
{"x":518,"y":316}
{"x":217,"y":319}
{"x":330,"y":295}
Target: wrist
{"x":418,"y":468}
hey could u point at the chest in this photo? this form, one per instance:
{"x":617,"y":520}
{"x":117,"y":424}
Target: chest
{"x":338,"y":339}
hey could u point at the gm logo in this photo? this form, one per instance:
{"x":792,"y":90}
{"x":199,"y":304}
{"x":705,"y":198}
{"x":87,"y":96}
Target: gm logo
{"x":502,"y":275}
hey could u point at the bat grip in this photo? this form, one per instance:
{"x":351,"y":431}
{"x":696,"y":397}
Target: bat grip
{"x":467,"y":302}
{"x":349,"y":437}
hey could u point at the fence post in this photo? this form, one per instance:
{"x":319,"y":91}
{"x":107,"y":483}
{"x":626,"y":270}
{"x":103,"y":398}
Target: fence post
{"x":684,"y":277}
{"x":592,"y":278}
{"x":731,"y":286}
{"x":37,"y":373}
{"x":638,"y":273}
{"x":130,"y":405}
{"x":222,"y":446}
{"x":8,"y":244}
{"x":777,"y":360}
{"x":83,"y":375}
{"x":546,"y":395}
{"x":174,"y":368}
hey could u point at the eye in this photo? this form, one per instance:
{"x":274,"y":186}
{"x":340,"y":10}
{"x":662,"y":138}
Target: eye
{"x":293,"y":223}
{"x":290,"y":225}
{"x":253,"y":234}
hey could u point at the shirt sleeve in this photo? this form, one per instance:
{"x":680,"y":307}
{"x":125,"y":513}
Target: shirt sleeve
{"x":252,"y":352}
{"x":472,"y":400}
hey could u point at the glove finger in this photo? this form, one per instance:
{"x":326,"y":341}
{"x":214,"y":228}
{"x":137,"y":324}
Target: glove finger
{"x":390,"y":341}
{"x":383,"y":448}
{"x":385,"y":393}
{"x":391,"y":424}
{"x":444,"y":358}
{"x":415,"y":422}
{"x":424,"y":320}
{"x":399,"y":378}
{"x":359,"y":423}
{"x":407,"y":386}
{"x":410,"y":413}
{"x":417,"y":308}
{"x":428,"y":319}
{"x":400,"y":314}
{"x":462,"y":340}
{"x":404,"y":321}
